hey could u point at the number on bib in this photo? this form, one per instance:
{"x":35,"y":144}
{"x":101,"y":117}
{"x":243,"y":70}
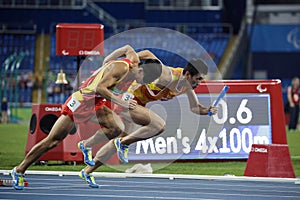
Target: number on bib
{"x":73,"y":104}
{"x":127,"y":96}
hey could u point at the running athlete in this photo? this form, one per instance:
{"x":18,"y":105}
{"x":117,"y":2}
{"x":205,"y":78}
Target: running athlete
{"x":94,"y":97}
{"x":172,"y":82}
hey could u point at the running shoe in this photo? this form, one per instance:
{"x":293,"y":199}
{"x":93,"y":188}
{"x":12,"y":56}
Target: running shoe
{"x":122,"y":151}
{"x":18,"y":179}
{"x":89,"y":179}
{"x":87,"y":154}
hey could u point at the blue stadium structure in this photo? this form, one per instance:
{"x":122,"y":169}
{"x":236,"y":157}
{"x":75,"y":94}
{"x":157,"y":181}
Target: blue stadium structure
{"x":238,"y":36}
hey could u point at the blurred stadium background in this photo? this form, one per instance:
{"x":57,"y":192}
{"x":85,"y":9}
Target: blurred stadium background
{"x":247,"y":39}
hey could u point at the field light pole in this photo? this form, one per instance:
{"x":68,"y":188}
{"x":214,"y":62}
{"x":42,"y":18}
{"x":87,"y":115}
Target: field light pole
{"x":14,"y":73}
{"x":4,"y":69}
{"x":3,"y":76}
{"x":13,"y":76}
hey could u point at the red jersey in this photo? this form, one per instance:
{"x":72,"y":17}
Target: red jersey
{"x":81,"y":105}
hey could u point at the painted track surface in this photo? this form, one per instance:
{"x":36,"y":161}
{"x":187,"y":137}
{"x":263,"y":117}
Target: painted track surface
{"x":123,"y":186}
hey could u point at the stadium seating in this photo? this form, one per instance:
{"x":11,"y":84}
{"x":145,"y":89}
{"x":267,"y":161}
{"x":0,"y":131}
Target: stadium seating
{"x":214,"y":45}
{"x":17,"y":54}
{"x":211,"y":37}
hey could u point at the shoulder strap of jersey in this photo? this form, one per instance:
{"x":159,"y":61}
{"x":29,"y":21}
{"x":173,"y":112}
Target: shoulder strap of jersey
{"x":127,"y":60}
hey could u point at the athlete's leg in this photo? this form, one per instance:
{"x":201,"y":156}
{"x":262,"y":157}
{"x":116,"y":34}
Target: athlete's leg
{"x":111,"y":127}
{"x":110,"y":120}
{"x":100,"y":135}
{"x":107,"y":150}
{"x":97,"y":138}
{"x":152,"y":125}
{"x":59,"y":131}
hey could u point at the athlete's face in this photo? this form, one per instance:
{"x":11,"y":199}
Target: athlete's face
{"x":139,"y":74}
{"x":195,"y":80}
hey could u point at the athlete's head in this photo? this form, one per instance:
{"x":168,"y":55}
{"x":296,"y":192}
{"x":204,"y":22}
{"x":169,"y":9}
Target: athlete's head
{"x":195,"y":71}
{"x":149,"y":70}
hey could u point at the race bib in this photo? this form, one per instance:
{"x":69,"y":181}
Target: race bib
{"x":73,"y":104}
{"x":127,"y":96}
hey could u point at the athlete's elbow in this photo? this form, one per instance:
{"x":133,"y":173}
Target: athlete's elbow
{"x":147,"y":52}
{"x":128,"y":48}
{"x":195,"y":110}
{"x":199,"y":110}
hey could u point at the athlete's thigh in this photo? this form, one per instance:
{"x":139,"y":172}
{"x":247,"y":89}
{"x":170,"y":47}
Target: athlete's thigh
{"x":109,"y":119}
{"x":129,"y":126}
{"x":143,"y":116}
{"x":62,"y":127}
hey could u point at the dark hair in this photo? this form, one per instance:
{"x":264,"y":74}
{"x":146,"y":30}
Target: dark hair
{"x":196,"y":66}
{"x":152,"y":69}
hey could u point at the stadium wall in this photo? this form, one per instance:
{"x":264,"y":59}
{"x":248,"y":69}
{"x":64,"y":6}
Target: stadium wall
{"x":275,"y":50}
{"x":282,"y":65}
{"x":44,"y":18}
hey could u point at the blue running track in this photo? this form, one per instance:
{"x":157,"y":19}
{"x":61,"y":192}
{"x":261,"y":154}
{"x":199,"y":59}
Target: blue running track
{"x":121,"y":186}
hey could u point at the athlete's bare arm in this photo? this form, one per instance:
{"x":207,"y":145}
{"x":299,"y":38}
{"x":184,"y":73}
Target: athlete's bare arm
{"x":126,"y":51}
{"x":146,"y":54}
{"x":114,"y":73}
{"x":196,"y":107}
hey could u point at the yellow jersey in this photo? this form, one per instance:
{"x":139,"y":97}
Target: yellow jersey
{"x":151,"y":92}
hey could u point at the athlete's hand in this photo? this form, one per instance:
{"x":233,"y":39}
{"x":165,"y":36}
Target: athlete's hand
{"x":132,"y":104}
{"x":213,"y":109}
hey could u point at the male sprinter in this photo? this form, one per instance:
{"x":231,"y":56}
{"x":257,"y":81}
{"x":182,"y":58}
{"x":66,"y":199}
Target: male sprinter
{"x":103,"y":86}
{"x":172,"y":82}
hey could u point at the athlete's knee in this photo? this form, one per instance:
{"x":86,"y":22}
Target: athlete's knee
{"x":159,"y":126}
{"x":163,"y":127}
{"x":115,"y":132}
{"x":54,"y":140}
{"x":50,"y":143}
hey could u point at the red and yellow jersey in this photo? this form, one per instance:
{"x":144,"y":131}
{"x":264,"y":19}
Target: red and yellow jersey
{"x":81,"y":105}
{"x":150,"y":92}
{"x":88,"y":87}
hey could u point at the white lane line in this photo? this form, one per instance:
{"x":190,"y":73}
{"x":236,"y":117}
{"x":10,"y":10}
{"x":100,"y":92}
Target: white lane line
{"x":175,"y":176}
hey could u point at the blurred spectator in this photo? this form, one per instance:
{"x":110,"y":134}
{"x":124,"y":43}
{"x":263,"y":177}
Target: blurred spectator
{"x":4,"y":111}
{"x":22,"y":84}
{"x":293,"y":93}
{"x":30,"y":83}
{"x":56,"y":93}
{"x":50,"y":92}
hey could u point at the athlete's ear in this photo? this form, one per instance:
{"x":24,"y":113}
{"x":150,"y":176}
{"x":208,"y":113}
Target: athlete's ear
{"x":140,"y":70}
{"x":187,"y":73}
